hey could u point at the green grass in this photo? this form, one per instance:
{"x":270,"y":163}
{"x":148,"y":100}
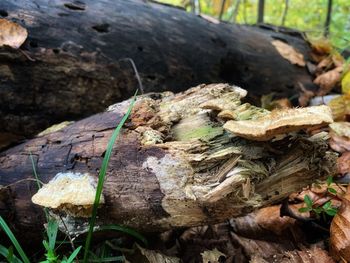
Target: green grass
{"x":14,"y":241}
{"x":101,"y":178}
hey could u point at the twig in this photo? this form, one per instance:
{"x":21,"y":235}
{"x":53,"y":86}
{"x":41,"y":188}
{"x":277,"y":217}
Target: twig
{"x":136,"y":73}
{"x":68,"y":235}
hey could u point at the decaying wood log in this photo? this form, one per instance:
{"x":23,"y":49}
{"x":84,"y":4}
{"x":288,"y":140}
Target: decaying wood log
{"x":174,"y":165}
{"x":76,"y":58}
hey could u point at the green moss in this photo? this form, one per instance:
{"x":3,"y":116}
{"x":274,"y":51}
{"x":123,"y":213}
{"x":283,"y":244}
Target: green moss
{"x":205,"y":133}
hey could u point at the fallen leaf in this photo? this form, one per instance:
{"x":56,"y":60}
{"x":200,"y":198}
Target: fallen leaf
{"x":305,"y":255}
{"x":212,"y":256}
{"x":320,"y":48}
{"x":345,"y":83}
{"x":305,"y":95}
{"x":324,"y":63}
{"x":339,"y":143}
{"x":289,"y":53}
{"x":338,"y":59}
{"x":11,"y":34}
{"x":280,"y":122}
{"x":341,"y":128}
{"x":340,"y":107}
{"x":343,"y":163}
{"x":340,"y":231}
{"x":268,"y":103}
{"x":328,"y":80}
{"x":143,"y":255}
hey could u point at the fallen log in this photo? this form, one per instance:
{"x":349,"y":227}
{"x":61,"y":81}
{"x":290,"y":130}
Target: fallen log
{"x":76,"y":58}
{"x":174,"y":165}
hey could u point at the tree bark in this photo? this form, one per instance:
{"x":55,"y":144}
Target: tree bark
{"x":75,"y":62}
{"x":173,"y":166}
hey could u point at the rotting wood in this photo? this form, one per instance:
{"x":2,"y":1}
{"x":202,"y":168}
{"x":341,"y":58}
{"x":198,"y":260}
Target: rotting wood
{"x":164,"y":172}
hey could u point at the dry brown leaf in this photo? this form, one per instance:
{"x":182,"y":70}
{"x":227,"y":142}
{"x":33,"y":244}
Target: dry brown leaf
{"x":343,"y":163}
{"x":143,"y":255}
{"x":328,"y":80}
{"x":339,"y":143}
{"x":262,"y":223}
{"x":280,"y":122}
{"x":312,"y":255}
{"x":340,"y":231}
{"x":304,"y":95}
{"x":212,"y":256}
{"x":338,"y":59}
{"x":324,"y":63}
{"x":11,"y":34}
{"x":289,"y":53}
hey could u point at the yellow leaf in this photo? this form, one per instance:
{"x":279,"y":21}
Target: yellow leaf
{"x":345,"y":83}
{"x":340,"y":107}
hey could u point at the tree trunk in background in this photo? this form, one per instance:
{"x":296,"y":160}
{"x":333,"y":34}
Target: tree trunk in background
{"x":173,"y":166}
{"x":79,"y":48}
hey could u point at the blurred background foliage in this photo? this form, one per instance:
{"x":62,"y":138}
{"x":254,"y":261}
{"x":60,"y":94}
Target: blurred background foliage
{"x":306,"y":15}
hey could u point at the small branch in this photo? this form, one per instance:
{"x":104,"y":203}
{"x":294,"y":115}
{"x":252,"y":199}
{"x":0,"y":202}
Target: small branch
{"x":136,"y":73}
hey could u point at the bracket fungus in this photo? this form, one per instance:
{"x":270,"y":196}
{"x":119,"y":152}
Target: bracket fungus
{"x":280,"y":122}
{"x":71,"y":192}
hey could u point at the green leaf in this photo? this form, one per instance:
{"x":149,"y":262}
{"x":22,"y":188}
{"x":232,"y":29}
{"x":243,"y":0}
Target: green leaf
{"x":329,"y":180}
{"x":327,"y":205}
{"x":304,"y":209}
{"x":101,"y":178}
{"x":14,"y":241}
{"x":308,"y":201}
{"x":332,"y":190}
{"x":318,"y":210}
{"x":7,"y":254}
{"x":52,"y":229}
{"x":331,"y":211}
{"x":74,"y":254}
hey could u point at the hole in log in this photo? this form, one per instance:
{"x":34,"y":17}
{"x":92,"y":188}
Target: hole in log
{"x":101,"y":28}
{"x":139,"y":48}
{"x":3,"y":13}
{"x":76,"y":6}
{"x":56,"y":50}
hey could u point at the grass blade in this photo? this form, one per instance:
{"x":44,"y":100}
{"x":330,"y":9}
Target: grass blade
{"x":73,"y":255}
{"x":13,"y":239}
{"x":125,"y":230}
{"x":7,"y":254}
{"x":101,"y":178}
